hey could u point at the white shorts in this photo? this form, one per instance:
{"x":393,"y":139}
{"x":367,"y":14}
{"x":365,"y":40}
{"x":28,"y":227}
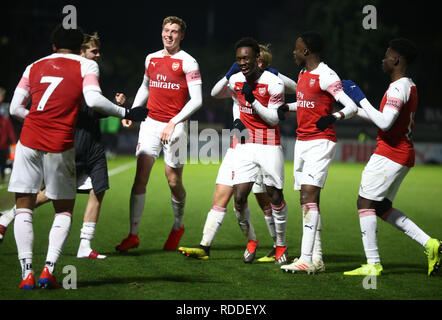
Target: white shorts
{"x":33,"y":168}
{"x":226,"y":173}
{"x":381,"y":178}
{"x":312,"y":159}
{"x":253,"y":160}
{"x":149,"y":142}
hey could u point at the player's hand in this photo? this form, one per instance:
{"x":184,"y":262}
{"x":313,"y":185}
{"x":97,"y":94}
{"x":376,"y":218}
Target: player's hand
{"x":166,"y":135}
{"x":282,"y":111}
{"x":247,"y":91}
{"x":353,"y":91}
{"x":325,"y":121}
{"x":120,"y":98}
{"x":233,"y":69}
{"x":240,"y":131}
{"x":136,"y":114}
{"x":126,"y":123}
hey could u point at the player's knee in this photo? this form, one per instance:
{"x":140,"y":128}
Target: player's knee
{"x":174,"y":182}
{"x":240,"y":201}
{"x":277,"y":197}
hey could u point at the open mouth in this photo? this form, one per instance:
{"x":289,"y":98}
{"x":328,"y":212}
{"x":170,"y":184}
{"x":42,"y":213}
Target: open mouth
{"x":245,"y":69}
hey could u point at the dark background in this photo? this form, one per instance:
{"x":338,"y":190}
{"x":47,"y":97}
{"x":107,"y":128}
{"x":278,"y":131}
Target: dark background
{"x":129,"y":30}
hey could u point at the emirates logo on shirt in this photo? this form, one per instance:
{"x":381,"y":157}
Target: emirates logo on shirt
{"x":175,"y":66}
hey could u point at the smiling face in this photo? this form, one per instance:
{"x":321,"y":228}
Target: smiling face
{"x":247,"y":60}
{"x":172,"y":36}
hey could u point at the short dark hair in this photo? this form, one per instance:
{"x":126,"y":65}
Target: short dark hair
{"x":313,"y":40}
{"x":67,"y":38}
{"x":406,"y":48}
{"x":248,"y":42}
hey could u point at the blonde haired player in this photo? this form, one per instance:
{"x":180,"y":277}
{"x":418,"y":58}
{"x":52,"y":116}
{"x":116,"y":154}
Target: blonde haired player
{"x":224,"y":182}
{"x":171,"y":90}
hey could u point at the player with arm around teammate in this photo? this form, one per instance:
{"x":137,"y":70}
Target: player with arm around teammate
{"x":318,"y":87}
{"x":90,"y":163}
{"x":224,"y":182}
{"x":392,"y":159}
{"x":171,"y":77}
{"x":259,"y":93}
{"x":56,"y":84}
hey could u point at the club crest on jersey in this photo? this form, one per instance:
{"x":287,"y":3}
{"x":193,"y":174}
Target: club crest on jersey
{"x":262,"y":91}
{"x":175,"y":66}
{"x":312,"y":82}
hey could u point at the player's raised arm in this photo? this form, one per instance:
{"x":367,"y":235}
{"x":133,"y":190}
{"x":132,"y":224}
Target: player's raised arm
{"x":95,"y":99}
{"x":385,"y":119}
{"x":221,"y":89}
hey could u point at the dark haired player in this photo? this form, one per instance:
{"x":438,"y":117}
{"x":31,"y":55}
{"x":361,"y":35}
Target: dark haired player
{"x":259,"y":94}
{"x":392,"y":159}
{"x":317,"y":90}
{"x":45,"y":152}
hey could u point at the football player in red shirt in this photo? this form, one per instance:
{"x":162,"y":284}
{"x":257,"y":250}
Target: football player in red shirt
{"x":45,"y":153}
{"x":392,"y":159}
{"x":171,"y":77}
{"x":318,"y":88}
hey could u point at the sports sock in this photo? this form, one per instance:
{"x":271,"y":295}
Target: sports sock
{"x":7,"y":217}
{"x":279,"y":214}
{"x":178,"y":211}
{"x":87,"y":233}
{"x":399,"y":220}
{"x":57,"y":238}
{"x":214,"y":220}
{"x":369,"y":228}
{"x":137,"y":202}
{"x":270,"y":222}
{"x":24,"y":238}
{"x":310,"y":217}
{"x":245,"y":223}
{"x":317,"y":247}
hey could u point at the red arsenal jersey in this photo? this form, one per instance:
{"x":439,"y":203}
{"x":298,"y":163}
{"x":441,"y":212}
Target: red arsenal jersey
{"x":315,"y":94}
{"x":269,"y":91}
{"x":396,"y":143}
{"x":56,"y":84}
{"x":169,"y":79}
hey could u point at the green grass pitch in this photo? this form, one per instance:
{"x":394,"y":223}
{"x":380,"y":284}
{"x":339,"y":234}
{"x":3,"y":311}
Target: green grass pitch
{"x":149,"y":273}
